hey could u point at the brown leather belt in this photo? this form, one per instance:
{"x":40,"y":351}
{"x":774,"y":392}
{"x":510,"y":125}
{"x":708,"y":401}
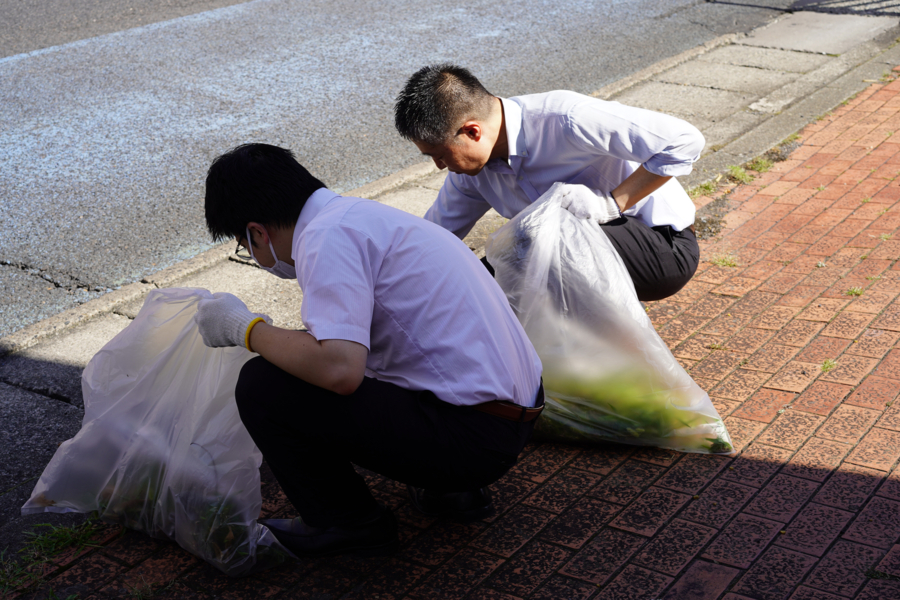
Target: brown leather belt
{"x":508,"y":410}
{"x":511,"y":411}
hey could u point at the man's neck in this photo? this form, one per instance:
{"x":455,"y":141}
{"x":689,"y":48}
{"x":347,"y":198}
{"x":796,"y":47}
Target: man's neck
{"x":501,"y":144}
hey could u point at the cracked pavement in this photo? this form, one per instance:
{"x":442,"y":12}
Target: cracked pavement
{"x":105,"y":140}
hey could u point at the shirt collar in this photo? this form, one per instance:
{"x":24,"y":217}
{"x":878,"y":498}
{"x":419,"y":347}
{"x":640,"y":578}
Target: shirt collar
{"x":314,"y":204}
{"x":515,"y":136}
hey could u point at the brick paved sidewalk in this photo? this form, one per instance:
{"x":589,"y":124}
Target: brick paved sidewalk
{"x":798,"y":346}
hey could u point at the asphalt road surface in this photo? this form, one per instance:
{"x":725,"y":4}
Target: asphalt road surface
{"x":110,"y":113}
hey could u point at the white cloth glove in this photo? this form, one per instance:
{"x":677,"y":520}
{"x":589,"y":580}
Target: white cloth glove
{"x":223,"y":320}
{"x":586,"y":203}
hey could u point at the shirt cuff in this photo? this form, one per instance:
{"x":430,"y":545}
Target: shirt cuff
{"x":341,"y":331}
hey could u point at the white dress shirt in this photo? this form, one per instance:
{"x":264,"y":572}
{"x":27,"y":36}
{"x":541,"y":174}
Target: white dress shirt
{"x":416,"y":297}
{"x":569,"y":137}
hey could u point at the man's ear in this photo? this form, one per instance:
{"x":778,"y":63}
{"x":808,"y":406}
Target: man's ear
{"x":257,"y":232}
{"x":472,"y":130}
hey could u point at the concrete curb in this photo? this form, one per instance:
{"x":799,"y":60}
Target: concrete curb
{"x":746,"y":147}
{"x":869,"y":59}
{"x":36,"y":332}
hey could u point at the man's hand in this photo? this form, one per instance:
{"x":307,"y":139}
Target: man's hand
{"x":585,"y":203}
{"x":224,"y":319}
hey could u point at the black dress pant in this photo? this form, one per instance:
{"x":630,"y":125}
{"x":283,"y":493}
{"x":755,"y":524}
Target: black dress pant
{"x":659,"y":260}
{"x":311,"y":438}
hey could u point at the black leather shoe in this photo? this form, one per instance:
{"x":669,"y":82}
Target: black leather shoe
{"x":458,"y":506}
{"x":375,"y":536}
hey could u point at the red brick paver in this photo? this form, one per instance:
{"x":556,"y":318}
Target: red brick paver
{"x":798,"y":346}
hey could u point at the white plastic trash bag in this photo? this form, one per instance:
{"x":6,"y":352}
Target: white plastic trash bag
{"x":162,"y":448}
{"x":607,"y":373}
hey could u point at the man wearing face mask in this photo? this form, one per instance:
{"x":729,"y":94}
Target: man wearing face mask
{"x":413,"y":366}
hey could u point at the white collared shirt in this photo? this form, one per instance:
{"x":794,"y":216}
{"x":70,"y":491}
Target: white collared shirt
{"x":415,"y":296}
{"x":569,"y":137}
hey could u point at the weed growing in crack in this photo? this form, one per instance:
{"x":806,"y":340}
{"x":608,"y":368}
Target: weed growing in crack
{"x":828,"y":365}
{"x":704,"y":189}
{"x":854,"y":291}
{"x":739,"y":174}
{"x":723,"y":259}
{"x":760,"y":164}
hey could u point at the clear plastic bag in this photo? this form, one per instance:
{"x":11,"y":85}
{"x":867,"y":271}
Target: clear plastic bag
{"x":607,"y":373}
{"x":162,"y":448}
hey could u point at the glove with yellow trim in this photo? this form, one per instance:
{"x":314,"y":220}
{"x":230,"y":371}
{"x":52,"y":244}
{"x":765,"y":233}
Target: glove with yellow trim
{"x":224,"y":320}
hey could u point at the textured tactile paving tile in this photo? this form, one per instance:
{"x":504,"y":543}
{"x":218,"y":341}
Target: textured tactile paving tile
{"x":440,"y":542}
{"x":794,"y":377}
{"x":817,"y":459}
{"x":877,"y":525}
{"x":389,"y":582}
{"x":580,"y":522}
{"x":625,"y":483}
{"x":850,"y":370}
{"x":849,"y":487}
{"x":674,"y":547}
{"x":602,"y":459}
{"x":543,"y":462}
{"x":564,"y":587}
{"x":702,"y":580}
{"x":814,"y":529}
{"x":880,"y":590}
{"x":764,"y":405}
{"x":742,"y":431}
{"x":562,"y":490}
{"x":603,"y":556}
{"x":890,"y":419}
{"x":848,"y":424}
{"x":823,"y":348}
{"x":457,"y":577}
{"x":529,"y":569}
{"x":692,"y":473}
{"x":821,"y":397}
{"x":791,"y":429}
{"x":635,"y":582}
{"x":742,"y":541}
{"x":874,"y":343}
{"x":771,"y":357}
{"x":740,"y":385}
{"x":775,"y":574}
{"x":875,"y":392}
{"x":748,"y":340}
{"x":650,"y":511}
{"x":879,"y":449}
{"x":511,"y":531}
{"x":781,"y":498}
{"x":843,"y":569}
{"x":718,"y":503}
{"x":756,"y":465}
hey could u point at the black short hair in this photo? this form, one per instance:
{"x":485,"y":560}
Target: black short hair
{"x":255,"y":182}
{"x":436,"y":100}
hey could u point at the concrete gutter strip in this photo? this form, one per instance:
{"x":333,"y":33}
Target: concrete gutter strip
{"x":867,"y":61}
{"x":32,"y":334}
{"x":655,"y":69}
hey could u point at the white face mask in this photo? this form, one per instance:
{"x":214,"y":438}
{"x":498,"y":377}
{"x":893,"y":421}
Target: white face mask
{"x":281,"y":268}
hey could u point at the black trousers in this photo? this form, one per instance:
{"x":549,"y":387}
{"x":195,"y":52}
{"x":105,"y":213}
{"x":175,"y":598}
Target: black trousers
{"x":659,"y":260}
{"x":311,"y":438}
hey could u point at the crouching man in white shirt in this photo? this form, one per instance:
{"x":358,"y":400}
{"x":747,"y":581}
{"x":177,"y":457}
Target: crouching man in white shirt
{"x":413,"y":367}
{"x":506,"y":152}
